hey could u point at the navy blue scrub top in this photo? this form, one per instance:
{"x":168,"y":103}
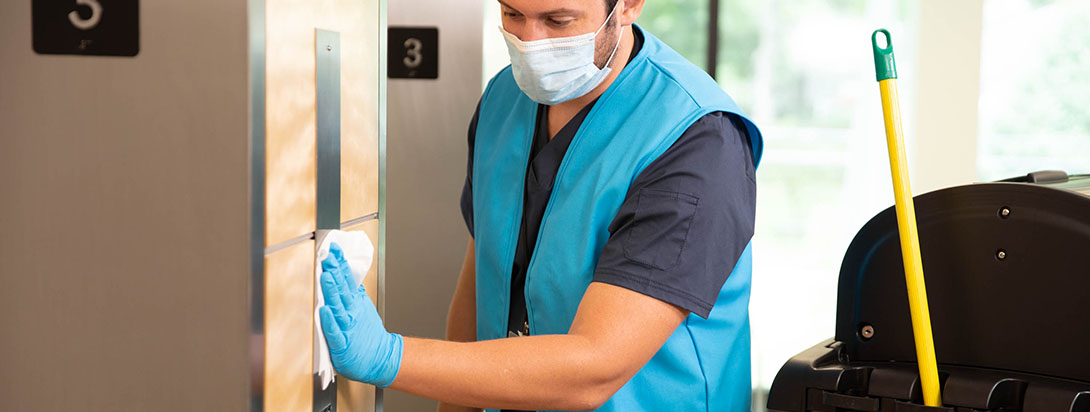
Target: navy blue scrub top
{"x":659,"y":244}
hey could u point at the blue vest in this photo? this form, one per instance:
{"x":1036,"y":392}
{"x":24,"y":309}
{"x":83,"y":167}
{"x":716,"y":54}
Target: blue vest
{"x":705,"y":364}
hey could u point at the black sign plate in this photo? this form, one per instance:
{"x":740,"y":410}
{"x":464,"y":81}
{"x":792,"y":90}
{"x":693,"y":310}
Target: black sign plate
{"x":414,"y":53}
{"x":87,"y":27}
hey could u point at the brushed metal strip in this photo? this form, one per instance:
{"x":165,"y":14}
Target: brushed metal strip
{"x":382,"y":52}
{"x":327,"y":60}
{"x":256,"y":22}
{"x":327,"y":89}
{"x":288,"y":243}
{"x":349,"y":224}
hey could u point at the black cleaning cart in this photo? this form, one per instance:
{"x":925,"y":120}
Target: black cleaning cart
{"x":1008,"y":283}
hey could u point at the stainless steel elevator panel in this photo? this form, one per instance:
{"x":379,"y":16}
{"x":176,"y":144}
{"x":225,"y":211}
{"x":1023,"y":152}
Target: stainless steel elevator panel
{"x":124,"y":202}
{"x":427,"y":148}
{"x":159,"y":209}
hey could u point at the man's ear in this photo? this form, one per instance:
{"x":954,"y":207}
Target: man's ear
{"x":630,"y":11}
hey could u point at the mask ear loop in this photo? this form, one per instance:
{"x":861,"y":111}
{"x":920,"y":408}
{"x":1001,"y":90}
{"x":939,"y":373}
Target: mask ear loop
{"x":616,"y":45}
{"x":610,"y":16}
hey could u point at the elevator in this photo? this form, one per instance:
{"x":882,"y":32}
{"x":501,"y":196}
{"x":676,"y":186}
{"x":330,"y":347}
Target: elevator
{"x":164,"y":168}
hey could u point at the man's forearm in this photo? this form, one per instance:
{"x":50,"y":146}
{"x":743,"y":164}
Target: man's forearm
{"x":462,"y":317}
{"x":531,"y":373}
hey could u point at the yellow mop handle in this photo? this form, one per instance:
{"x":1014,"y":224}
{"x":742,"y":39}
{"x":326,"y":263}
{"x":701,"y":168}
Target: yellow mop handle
{"x":906,"y":221}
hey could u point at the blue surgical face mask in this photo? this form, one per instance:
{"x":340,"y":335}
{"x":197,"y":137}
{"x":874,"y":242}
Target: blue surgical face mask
{"x":552,"y":71}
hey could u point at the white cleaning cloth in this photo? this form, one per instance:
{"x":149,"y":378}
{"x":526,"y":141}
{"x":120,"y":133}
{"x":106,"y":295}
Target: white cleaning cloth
{"x":359,"y":253}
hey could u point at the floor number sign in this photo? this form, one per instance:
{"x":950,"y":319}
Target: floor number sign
{"x":86,"y":27}
{"x":413,"y":53}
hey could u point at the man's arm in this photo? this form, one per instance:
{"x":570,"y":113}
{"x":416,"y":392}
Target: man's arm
{"x":625,"y":328}
{"x":615,"y":332}
{"x":462,"y":317}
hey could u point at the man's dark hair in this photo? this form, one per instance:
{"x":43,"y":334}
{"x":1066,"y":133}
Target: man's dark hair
{"x":610,"y":4}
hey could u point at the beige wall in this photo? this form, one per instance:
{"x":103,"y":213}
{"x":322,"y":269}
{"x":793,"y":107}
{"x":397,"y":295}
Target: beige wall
{"x":123,"y":202}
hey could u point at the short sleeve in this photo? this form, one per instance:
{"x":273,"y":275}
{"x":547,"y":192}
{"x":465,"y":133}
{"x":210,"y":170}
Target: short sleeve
{"x":687,"y":218}
{"x":467,"y":188}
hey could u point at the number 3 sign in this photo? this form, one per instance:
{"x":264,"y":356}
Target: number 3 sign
{"x":414,"y":53}
{"x":86,"y":27}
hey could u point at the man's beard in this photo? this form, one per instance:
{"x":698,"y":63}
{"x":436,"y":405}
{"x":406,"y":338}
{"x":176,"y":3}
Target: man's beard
{"x":602,"y":50}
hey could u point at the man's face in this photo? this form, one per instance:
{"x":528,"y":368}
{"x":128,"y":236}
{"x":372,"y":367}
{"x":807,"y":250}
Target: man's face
{"x":531,"y":20}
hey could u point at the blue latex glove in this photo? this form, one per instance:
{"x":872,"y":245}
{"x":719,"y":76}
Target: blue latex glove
{"x":359,"y":345}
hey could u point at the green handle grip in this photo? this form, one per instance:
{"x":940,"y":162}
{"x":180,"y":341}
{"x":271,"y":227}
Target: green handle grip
{"x":884,"y":65}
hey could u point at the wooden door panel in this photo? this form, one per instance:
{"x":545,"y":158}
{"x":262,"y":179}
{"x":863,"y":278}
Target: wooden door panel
{"x":355,"y":396}
{"x":289,"y":325}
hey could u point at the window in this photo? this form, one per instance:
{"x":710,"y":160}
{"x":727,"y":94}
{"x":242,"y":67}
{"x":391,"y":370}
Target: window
{"x":803,"y":70}
{"x":683,"y":24}
{"x":1034,"y":94}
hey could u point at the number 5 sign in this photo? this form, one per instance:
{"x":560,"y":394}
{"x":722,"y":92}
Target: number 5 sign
{"x":87,"y":27}
{"x":413,"y":53}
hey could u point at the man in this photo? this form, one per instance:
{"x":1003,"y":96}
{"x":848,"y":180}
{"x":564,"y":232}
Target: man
{"x":610,"y":199}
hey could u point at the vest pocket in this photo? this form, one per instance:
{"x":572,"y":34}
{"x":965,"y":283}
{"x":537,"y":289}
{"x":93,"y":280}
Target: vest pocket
{"x":660,"y":227}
